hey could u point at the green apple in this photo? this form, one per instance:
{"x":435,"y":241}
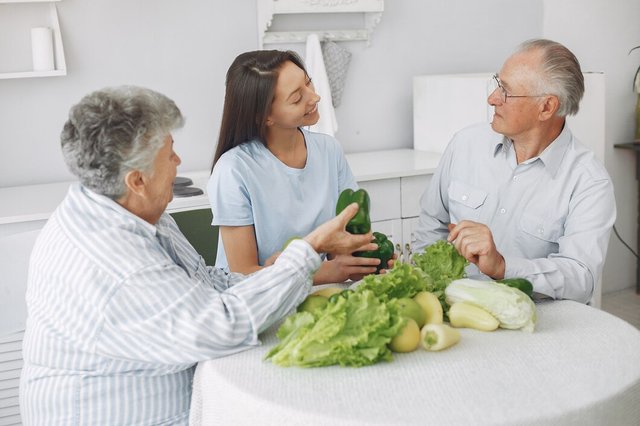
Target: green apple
{"x":313,"y":304}
{"x":286,"y":243}
{"x":408,"y":339}
{"x":409,"y":308}
{"x":328,"y":291}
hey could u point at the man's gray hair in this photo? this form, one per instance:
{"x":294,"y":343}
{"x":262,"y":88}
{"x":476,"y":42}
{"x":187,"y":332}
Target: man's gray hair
{"x":561,"y":74}
{"x":113,"y":131}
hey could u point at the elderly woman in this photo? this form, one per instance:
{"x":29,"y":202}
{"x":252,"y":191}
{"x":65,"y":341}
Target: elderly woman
{"x":120,"y":305}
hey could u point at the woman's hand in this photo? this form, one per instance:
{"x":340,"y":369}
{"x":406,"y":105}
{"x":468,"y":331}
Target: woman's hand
{"x":343,"y":267}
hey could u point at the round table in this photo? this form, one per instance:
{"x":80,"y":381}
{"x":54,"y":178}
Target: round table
{"x":580,"y":366}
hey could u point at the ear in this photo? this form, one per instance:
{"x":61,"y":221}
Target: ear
{"x":135,"y":181}
{"x":548,"y":107}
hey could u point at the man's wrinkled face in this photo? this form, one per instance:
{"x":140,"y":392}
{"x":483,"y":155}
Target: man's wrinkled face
{"x":518,"y":76}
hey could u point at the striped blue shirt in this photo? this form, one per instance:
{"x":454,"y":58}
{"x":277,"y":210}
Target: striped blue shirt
{"x":119,"y":312}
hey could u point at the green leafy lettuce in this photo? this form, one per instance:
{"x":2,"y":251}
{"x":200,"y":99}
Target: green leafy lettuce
{"x":403,"y":280}
{"x":350,"y":331}
{"x":442,"y":262}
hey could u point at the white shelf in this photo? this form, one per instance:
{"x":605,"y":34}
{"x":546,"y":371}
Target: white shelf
{"x":267,"y":9}
{"x":60,"y":62}
{"x":29,"y":74}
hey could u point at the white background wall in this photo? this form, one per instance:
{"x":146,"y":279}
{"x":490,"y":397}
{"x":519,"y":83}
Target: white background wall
{"x":183,"y":49}
{"x":601,"y":34}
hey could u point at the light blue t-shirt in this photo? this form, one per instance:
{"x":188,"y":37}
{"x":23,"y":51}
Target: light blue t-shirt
{"x":250,"y":186}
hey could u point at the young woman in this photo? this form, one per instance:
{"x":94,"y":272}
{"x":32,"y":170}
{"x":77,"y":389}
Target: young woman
{"x":272,"y":179}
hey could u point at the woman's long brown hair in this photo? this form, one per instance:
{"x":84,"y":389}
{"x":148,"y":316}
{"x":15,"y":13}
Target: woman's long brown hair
{"x":250,"y":87}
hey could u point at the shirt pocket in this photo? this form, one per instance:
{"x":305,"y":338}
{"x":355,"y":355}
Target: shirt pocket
{"x":465,"y":201}
{"x":541,"y":228}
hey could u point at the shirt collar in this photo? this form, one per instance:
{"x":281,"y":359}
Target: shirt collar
{"x":112,"y":205}
{"x":551,"y":157}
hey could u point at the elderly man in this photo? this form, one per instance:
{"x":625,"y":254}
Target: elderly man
{"x":523,"y":197}
{"x":120,"y":305}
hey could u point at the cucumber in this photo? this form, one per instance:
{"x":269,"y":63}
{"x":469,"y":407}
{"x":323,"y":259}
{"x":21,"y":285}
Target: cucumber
{"x":521,"y":284}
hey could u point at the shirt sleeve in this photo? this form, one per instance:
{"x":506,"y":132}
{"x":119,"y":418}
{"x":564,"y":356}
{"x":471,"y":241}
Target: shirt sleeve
{"x":164,"y":315}
{"x":574,"y":271}
{"x":434,"y":205}
{"x":228,"y":195}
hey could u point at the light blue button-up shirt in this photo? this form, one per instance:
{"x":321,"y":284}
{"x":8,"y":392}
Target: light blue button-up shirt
{"x":119,"y":312}
{"x":550,"y":216}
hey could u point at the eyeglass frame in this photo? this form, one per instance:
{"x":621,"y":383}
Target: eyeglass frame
{"x":506,"y":95}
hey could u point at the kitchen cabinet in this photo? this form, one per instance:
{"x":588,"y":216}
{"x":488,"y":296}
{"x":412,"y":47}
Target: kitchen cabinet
{"x":395,"y":181}
{"x":37,"y":13}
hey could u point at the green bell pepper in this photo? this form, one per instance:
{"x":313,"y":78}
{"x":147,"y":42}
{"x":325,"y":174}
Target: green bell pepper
{"x":360,"y":223}
{"x":521,"y":284}
{"x":384,"y":251}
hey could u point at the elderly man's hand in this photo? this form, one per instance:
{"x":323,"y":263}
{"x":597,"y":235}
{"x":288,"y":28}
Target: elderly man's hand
{"x":475,"y":242}
{"x":331,"y":236}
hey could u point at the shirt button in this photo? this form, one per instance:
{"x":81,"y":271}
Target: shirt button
{"x":540,"y":231}
{"x":503,"y":211}
{"x":515,"y":178}
{"x":465,"y":197}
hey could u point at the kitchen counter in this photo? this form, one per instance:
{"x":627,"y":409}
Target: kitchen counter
{"x":29,"y":203}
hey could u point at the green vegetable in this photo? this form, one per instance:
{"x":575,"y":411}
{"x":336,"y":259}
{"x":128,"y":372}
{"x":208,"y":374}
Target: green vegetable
{"x":313,"y":304}
{"x":521,"y":284}
{"x":403,"y":280}
{"x":511,"y":307}
{"x":384,"y":252}
{"x":360,"y":223}
{"x":286,"y":243}
{"x":353,"y":331}
{"x":442,"y":262}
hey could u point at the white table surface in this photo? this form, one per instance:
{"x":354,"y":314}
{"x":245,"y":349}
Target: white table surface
{"x":580,"y":366}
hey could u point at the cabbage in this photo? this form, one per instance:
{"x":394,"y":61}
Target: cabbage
{"x":513,"y":308}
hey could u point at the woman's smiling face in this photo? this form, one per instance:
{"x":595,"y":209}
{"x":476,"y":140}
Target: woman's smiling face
{"x":295,"y":101}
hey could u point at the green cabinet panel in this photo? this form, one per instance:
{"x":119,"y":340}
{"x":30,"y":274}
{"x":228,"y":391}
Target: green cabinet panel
{"x":196,"y":226}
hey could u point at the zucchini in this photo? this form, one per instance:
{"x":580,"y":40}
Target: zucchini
{"x":522,"y":284}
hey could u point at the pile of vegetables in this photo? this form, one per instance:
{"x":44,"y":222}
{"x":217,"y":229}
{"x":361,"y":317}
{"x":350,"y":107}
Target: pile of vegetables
{"x":400,"y":310}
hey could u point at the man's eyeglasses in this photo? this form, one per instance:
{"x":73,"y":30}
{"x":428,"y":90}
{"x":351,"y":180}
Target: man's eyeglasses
{"x":495,"y":83}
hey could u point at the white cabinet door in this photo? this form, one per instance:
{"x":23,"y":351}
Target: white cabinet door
{"x":385,"y":198}
{"x":411,"y":189}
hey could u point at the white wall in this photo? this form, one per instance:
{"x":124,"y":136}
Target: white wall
{"x":183,"y":49}
{"x":601,"y":34}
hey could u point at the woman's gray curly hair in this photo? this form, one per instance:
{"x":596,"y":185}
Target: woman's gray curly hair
{"x":113,"y":131}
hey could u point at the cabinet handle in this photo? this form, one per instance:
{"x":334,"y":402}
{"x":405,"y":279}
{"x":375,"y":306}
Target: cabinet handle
{"x":408,"y":251}
{"x":399,"y":252}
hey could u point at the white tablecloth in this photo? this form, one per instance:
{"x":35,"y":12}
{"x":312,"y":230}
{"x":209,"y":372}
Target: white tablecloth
{"x":581,"y":366}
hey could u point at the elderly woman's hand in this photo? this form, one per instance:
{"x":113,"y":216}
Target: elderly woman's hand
{"x":331,"y":236}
